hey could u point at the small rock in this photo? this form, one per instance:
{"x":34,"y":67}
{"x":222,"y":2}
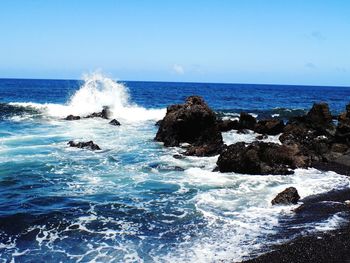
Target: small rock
{"x":114,"y":122}
{"x":86,"y":145}
{"x":288,"y":196}
{"x":261,"y":137}
{"x":72,"y":118}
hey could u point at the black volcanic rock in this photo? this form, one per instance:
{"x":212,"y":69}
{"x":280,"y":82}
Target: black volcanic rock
{"x":227,"y":125}
{"x":86,"y":145}
{"x":72,"y":118}
{"x":260,"y":158}
{"x":246,"y":121}
{"x":269,"y":127}
{"x":104,"y":114}
{"x":192,"y":122}
{"x":288,"y":196}
{"x":114,"y":122}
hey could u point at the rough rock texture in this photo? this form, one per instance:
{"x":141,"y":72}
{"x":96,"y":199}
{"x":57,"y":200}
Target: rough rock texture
{"x":246,"y":121}
{"x":114,"y":122}
{"x":313,"y":133}
{"x":269,"y":127}
{"x":343,"y":129}
{"x":192,"y":122}
{"x":86,"y":145}
{"x":104,"y":114}
{"x":227,"y":125}
{"x":72,"y":118}
{"x":288,"y":196}
{"x":260,"y":158}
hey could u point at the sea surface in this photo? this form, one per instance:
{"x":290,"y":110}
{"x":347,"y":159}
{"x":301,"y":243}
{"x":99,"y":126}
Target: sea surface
{"x":133,"y":201}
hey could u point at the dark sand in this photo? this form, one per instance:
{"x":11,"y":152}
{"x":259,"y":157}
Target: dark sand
{"x":328,"y":247}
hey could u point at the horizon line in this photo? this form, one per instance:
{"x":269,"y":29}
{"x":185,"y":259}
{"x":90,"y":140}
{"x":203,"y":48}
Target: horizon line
{"x":189,"y":82}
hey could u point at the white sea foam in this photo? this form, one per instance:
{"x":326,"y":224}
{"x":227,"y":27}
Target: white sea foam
{"x":96,"y":92}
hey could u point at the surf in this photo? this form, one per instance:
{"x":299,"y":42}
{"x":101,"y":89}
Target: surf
{"x":96,"y":92}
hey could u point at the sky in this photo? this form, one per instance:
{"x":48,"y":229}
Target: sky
{"x":226,"y":41}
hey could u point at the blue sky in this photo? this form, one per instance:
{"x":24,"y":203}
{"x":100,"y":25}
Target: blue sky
{"x":250,"y":41}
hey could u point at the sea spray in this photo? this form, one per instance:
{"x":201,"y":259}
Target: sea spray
{"x":96,"y":92}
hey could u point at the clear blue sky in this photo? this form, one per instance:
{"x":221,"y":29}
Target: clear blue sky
{"x":247,"y":41}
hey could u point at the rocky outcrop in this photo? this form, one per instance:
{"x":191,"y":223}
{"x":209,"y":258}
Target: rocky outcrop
{"x":342,"y":134}
{"x":246,"y":121}
{"x":269,"y":127}
{"x":260,"y":158}
{"x":104,"y":114}
{"x":114,"y":122}
{"x":86,"y":145}
{"x":288,"y":196}
{"x":227,"y":125}
{"x":72,"y":118}
{"x":192,"y":122}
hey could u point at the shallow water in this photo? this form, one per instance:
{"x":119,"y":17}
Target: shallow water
{"x":133,"y":201}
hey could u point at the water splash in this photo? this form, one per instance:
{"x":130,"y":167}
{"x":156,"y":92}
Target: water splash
{"x":96,"y":92}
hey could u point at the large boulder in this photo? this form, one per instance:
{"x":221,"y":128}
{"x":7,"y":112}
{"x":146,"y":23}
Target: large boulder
{"x":246,"y":121}
{"x":288,"y":196}
{"x":227,"y":125}
{"x":192,"y":122}
{"x":86,"y":145}
{"x":269,"y":127}
{"x":342,"y":134}
{"x":319,"y":115}
{"x":260,"y":158}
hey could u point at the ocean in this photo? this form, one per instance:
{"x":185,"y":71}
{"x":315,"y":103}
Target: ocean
{"x":133,"y":201}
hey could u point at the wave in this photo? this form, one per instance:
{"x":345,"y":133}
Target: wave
{"x":8,"y":111}
{"x":279,"y":113}
{"x":96,"y":92}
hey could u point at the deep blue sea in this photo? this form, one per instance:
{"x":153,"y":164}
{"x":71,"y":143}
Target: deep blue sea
{"x":133,"y":201}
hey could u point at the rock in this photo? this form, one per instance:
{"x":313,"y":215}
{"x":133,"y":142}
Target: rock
{"x":228,"y":125}
{"x":87,"y":145}
{"x":242,"y":131}
{"x":288,"y":196}
{"x":179,"y":156}
{"x":104,"y":114}
{"x":192,"y":122}
{"x":246,"y":121}
{"x":269,"y":127}
{"x":260,"y":158}
{"x":261,"y":137}
{"x":114,"y":122}
{"x":319,"y":115}
{"x":72,"y":118}
{"x":342,"y":134}
{"x":158,"y":123}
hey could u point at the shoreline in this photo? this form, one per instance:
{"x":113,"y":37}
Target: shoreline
{"x":326,"y":246}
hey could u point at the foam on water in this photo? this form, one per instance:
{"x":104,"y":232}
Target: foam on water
{"x":133,"y":201}
{"x":96,"y":92}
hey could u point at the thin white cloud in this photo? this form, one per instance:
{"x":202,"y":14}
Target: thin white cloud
{"x":318,"y":35}
{"x":310,"y":65}
{"x":178,"y":69}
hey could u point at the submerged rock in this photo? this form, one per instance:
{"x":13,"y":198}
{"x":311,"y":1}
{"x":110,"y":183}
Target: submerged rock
{"x":86,"y":145}
{"x":192,"y":122}
{"x":288,"y":196}
{"x":72,"y":118}
{"x":114,"y":122}
{"x":260,"y":158}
